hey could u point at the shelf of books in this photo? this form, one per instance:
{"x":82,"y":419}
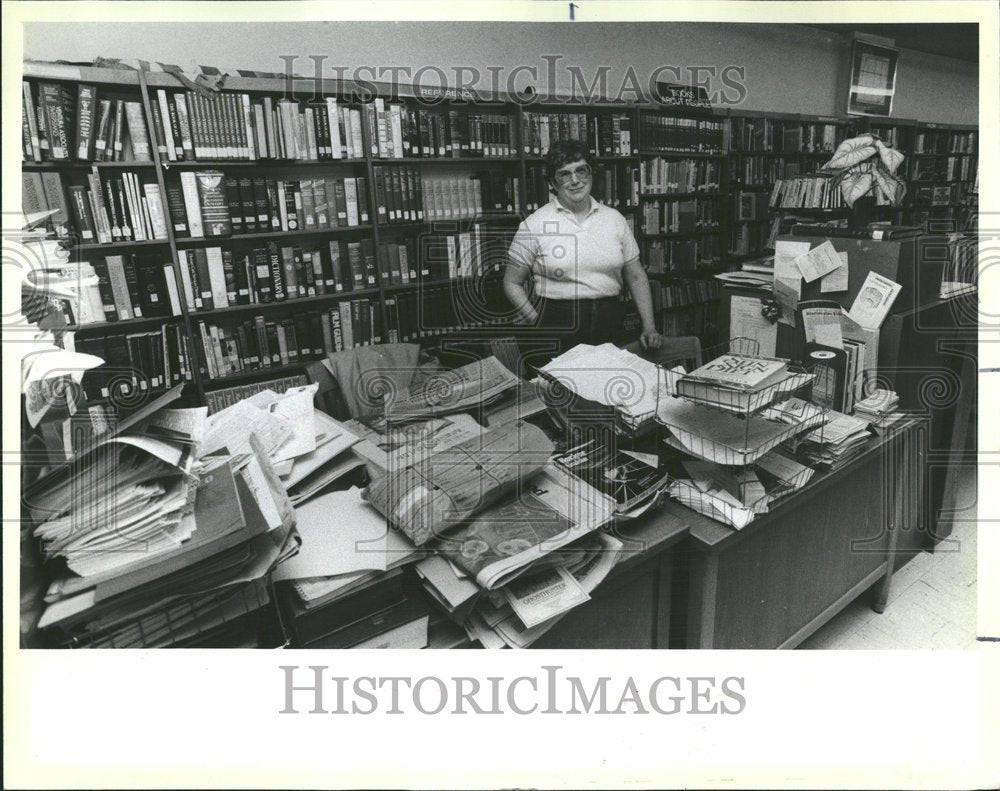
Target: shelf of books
{"x":236,"y":234}
{"x":683,"y":213}
{"x":944,"y":178}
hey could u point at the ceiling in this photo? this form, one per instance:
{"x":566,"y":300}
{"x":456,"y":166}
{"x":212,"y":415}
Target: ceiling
{"x":958,"y":40}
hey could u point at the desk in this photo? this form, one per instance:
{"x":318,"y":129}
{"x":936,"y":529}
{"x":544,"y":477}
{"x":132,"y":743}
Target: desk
{"x":774,"y":583}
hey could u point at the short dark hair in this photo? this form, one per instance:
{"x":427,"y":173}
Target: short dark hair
{"x":562,"y":153}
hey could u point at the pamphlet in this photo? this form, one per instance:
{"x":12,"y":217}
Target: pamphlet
{"x":873,"y":301}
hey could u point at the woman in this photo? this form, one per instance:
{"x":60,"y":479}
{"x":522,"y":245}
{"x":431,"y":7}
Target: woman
{"x":578,"y":253}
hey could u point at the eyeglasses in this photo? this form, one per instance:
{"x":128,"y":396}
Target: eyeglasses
{"x":581,"y":173}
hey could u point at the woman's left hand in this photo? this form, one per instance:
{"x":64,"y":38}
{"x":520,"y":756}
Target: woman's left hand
{"x":650,"y":339}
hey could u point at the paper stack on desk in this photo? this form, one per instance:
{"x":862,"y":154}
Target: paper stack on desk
{"x":447,"y":392}
{"x":347,"y":580}
{"x":528,"y":607}
{"x":879,"y":408}
{"x":834,"y":444}
{"x":610,"y":376}
{"x":731,"y":440}
{"x":307,"y":448}
{"x":151,"y":573}
{"x":740,"y":383}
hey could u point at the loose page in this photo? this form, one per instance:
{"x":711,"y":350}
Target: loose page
{"x":838,"y":279}
{"x":873,"y":301}
{"x":822,"y":326}
{"x":746,"y":321}
{"x":788,"y":277}
{"x":817,"y":262}
{"x":296,"y":409}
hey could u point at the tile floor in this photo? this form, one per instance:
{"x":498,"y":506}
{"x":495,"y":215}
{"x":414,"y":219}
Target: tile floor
{"x":932,"y":600}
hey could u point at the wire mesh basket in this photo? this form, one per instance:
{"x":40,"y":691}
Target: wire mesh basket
{"x":740,"y":400}
{"x":734,"y":428}
{"x":724,"y":506}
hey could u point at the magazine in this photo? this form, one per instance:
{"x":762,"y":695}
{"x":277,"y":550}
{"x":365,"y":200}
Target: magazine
{"x":545,"y":513}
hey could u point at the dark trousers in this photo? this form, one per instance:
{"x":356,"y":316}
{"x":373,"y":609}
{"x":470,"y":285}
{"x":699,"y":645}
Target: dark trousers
{"x":565,"y":323}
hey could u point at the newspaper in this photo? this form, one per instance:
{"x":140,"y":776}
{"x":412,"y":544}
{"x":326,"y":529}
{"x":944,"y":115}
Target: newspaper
{"x":444,"y":489}
{"x":446,"y":392}
{"x":549,"y":511}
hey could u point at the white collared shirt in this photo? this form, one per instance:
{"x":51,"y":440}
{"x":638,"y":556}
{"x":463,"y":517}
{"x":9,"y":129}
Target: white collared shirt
{"x":574,"y":259}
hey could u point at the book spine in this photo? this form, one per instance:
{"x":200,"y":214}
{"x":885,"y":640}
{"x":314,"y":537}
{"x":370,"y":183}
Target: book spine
{"x":290,"y":279}
{"x":192,"y":206}
{"x":31,"y":118}
{"x":277,"y":273}
{"x":173,"y":293}
{"x":184,"y":127}
{"x":203,"y":280}
{"x":55,"y":198}
{"x":50,"y":100}
{"x":217,"y":277}
{"x":157,"y":219}
{"x":119,"y":287}
{"x":212,"y":200}
{"x":86,"y":103}
{"x":82,"y":213}
{"x":175,"y":127}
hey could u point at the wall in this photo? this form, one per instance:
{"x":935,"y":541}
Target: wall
{"x":789,"y":68}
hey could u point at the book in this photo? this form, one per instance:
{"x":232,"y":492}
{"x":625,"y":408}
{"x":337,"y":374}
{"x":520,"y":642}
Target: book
{"x":86,"y":108}
{"x":881,"y":233}
{"x":192,"y":204}
{"x":213,"y":203}
{"x":741,"y":371}
{"x":626,"y":477}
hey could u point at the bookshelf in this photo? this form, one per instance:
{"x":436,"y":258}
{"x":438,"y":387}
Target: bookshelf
{"x":684,"y":215}
{"x":429,"y":225}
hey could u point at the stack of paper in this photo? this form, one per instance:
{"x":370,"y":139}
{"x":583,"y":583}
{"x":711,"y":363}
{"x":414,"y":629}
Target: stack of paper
{"x":307,"y":448}
{"x":757,"y":274}
{"x":526,"y":608}
{"x":447,"y":392}
{"x":346,"y":580}
{"x":842,"y":438}
{"x":729,"y":439}
{"x":167,"y":548}
{"x":127,"y":497}
{"x":879,"y":408}
{"x":610,"y":376}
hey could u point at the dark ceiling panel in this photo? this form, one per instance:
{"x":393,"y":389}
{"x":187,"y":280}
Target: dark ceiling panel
{"x":958,"y":40}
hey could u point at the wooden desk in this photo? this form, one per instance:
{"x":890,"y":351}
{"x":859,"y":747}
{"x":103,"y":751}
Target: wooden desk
{"x":778,"y":580}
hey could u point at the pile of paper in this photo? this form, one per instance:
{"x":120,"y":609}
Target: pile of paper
{"x":451,"y":391}
{"x":735,"y":496}
{"x":307,"y":448}
{"x":756,"y":274}
{"x":520,"y":612}
{"x":388,"y":446}
{"x":835,"y":443}
{"x":163,"y":546}
{"x":612,"y":377}
{"x":879,"y":408}
{"x":346,"y":581}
